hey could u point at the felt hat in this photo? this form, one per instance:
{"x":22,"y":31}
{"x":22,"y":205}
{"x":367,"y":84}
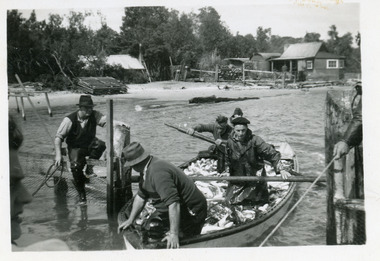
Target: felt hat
{"x":240,"y":121}
{"x":134,"y":153}
{"x":85,"y":101}
{"x":237,"y":111}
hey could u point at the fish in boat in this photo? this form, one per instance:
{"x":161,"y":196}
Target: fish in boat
{"x":225,"y":226}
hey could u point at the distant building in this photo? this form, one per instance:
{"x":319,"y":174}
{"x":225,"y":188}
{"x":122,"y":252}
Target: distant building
{"x":261,"y":61}
{"x":238,"y":62}
{"x":311,"y":60}
{"x":124,"y":60}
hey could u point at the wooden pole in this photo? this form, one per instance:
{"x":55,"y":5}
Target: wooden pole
{"x":22,"y":108}
{"x":110,"y":153}
{"x":18,"y":107}
{"x":244,"y":73}
{"x":185,"y":74}
{"x":216,"y":73}
{"x":48,"y":104}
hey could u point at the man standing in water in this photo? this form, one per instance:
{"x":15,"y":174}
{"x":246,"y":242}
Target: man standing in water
{"x":79,"y":131}
{"x":180,"y":207}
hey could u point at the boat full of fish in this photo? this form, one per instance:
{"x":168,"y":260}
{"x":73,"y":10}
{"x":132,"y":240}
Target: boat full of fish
{"x":221,"y":214}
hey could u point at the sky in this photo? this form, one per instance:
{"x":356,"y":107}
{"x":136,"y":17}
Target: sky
{"x":288,"y":19}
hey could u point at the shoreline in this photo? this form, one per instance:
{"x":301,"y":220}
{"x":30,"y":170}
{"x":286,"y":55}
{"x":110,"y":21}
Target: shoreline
{"x":167,"y":90}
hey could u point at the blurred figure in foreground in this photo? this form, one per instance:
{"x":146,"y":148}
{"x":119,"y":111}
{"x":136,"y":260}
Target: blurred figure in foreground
{"x":19,"y":195}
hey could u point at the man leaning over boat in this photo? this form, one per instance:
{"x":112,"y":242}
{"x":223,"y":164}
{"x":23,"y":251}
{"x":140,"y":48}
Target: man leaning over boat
{"x":220,"y":130}
{"x":181,"y":209}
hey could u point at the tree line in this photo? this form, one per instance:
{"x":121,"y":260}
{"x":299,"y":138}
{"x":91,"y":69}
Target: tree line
{"x":48,"y":51}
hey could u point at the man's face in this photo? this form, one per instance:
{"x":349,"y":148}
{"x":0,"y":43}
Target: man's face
{"x":85,"y":112}
{"x":240,"y":131}
{"x":19,"y":196}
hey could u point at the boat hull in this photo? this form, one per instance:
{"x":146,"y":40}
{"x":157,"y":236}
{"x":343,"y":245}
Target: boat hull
{"x":246,"y":235}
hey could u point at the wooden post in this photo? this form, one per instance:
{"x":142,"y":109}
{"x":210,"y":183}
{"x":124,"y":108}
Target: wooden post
{"x":185,"y":73}
{"x":22,"y":108}
{"x":345,"y":221}
{"x":110,"y":153}
{"x":216,"y":73}
{"x":18,"y":108}
{"x":244,"y":73}
{"x":48,"y":104}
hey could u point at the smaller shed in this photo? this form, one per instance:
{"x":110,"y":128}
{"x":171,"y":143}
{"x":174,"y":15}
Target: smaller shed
{"x":260,"y":61}
{"x":101,"y":85}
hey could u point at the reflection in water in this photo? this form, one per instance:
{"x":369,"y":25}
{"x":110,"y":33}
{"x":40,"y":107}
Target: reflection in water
{"x":63,"y":223}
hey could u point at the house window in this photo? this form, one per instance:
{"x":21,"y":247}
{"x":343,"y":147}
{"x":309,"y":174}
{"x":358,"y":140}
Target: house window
{"x":309,"y":65}
{"x":332,"y":64}
{"x":341,"y":64}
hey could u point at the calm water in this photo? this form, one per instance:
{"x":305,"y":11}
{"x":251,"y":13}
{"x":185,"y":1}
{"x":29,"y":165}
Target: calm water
{"x":295,"y":116}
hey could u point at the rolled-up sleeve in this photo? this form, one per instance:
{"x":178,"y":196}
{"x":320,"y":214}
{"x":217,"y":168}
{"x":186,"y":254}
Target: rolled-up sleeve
{"x":64,"y":128}
{"x":101,"y":119}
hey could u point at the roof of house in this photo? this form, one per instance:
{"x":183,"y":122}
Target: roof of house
{"x":300,"y":51}
{"x":268,"y":55}
{"x":237,"y":59}
{"x":126,"y":61}
{"x":326,"y":55}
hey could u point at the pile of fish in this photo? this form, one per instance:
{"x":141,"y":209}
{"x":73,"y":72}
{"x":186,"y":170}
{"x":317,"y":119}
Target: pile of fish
{"x":221,"y":215}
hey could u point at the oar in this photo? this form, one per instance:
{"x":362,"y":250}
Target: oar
{"x":196,"y":134}
{"x":135,"y":179}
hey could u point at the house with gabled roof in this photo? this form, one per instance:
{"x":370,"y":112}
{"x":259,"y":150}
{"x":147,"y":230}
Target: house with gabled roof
{"x":311,"y":61}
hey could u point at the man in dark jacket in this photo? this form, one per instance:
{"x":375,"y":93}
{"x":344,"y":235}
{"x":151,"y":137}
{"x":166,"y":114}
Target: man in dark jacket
{"x":79,"y":131}
{"x":246,"y":153}
{"x":179,"y":204}
{"x":220,"y":130}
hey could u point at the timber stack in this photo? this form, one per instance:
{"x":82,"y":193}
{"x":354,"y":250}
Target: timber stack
{"x":101,"y":85}
{"x":345,"y":195}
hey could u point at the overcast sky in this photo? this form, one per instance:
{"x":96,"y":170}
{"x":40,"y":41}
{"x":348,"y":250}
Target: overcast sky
{"x":284,"y":19}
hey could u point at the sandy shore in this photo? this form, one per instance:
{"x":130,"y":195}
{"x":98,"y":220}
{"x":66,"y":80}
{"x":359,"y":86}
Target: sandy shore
{"x":168,"y":90}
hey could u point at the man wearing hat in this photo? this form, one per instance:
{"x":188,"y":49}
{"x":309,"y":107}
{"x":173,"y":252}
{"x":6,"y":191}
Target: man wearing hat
{"x":237,"y":113}
{"x":245,"y":155}
{"x":220,"y":130}
{"x":79,"y":131}
{"x":180,"y":206}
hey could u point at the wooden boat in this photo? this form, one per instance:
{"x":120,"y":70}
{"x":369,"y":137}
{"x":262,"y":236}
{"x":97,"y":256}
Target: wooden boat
{"x":250,"y":233}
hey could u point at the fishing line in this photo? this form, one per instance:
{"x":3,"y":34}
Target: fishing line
{"x":297,"y":203}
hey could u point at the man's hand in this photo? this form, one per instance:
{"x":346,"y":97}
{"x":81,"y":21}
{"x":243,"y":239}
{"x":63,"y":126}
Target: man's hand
{"x":172,"y":240}
{"x":58,"y":160}
{"x":124,"y":226}
{"x":218,"y":142}
{"x":285,"y":174}
{"x":190,"y":131}
{"x":341,"y":149}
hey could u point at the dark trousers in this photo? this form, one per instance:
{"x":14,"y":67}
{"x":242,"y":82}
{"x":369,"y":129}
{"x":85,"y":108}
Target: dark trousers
{"x":77,"y":158}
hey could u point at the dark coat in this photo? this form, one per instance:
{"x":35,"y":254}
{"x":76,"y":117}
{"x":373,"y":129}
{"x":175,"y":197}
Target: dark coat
{"x":354,"y":133}
{"x":247,"y":157}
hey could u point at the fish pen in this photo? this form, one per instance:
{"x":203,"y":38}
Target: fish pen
{"x":345,"y":195}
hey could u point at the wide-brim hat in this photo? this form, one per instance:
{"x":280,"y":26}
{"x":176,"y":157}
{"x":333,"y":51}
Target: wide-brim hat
{"x":240,"y":121}
{"x":134,"y":153}
{"x":85,"y":101}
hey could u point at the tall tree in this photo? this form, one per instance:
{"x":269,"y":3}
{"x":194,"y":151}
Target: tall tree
{"x":311,"y":37}
{"x":262,"y":39}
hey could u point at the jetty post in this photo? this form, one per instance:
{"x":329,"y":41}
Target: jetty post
{"x":345,"y":189}
{"x":110,"y":164}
